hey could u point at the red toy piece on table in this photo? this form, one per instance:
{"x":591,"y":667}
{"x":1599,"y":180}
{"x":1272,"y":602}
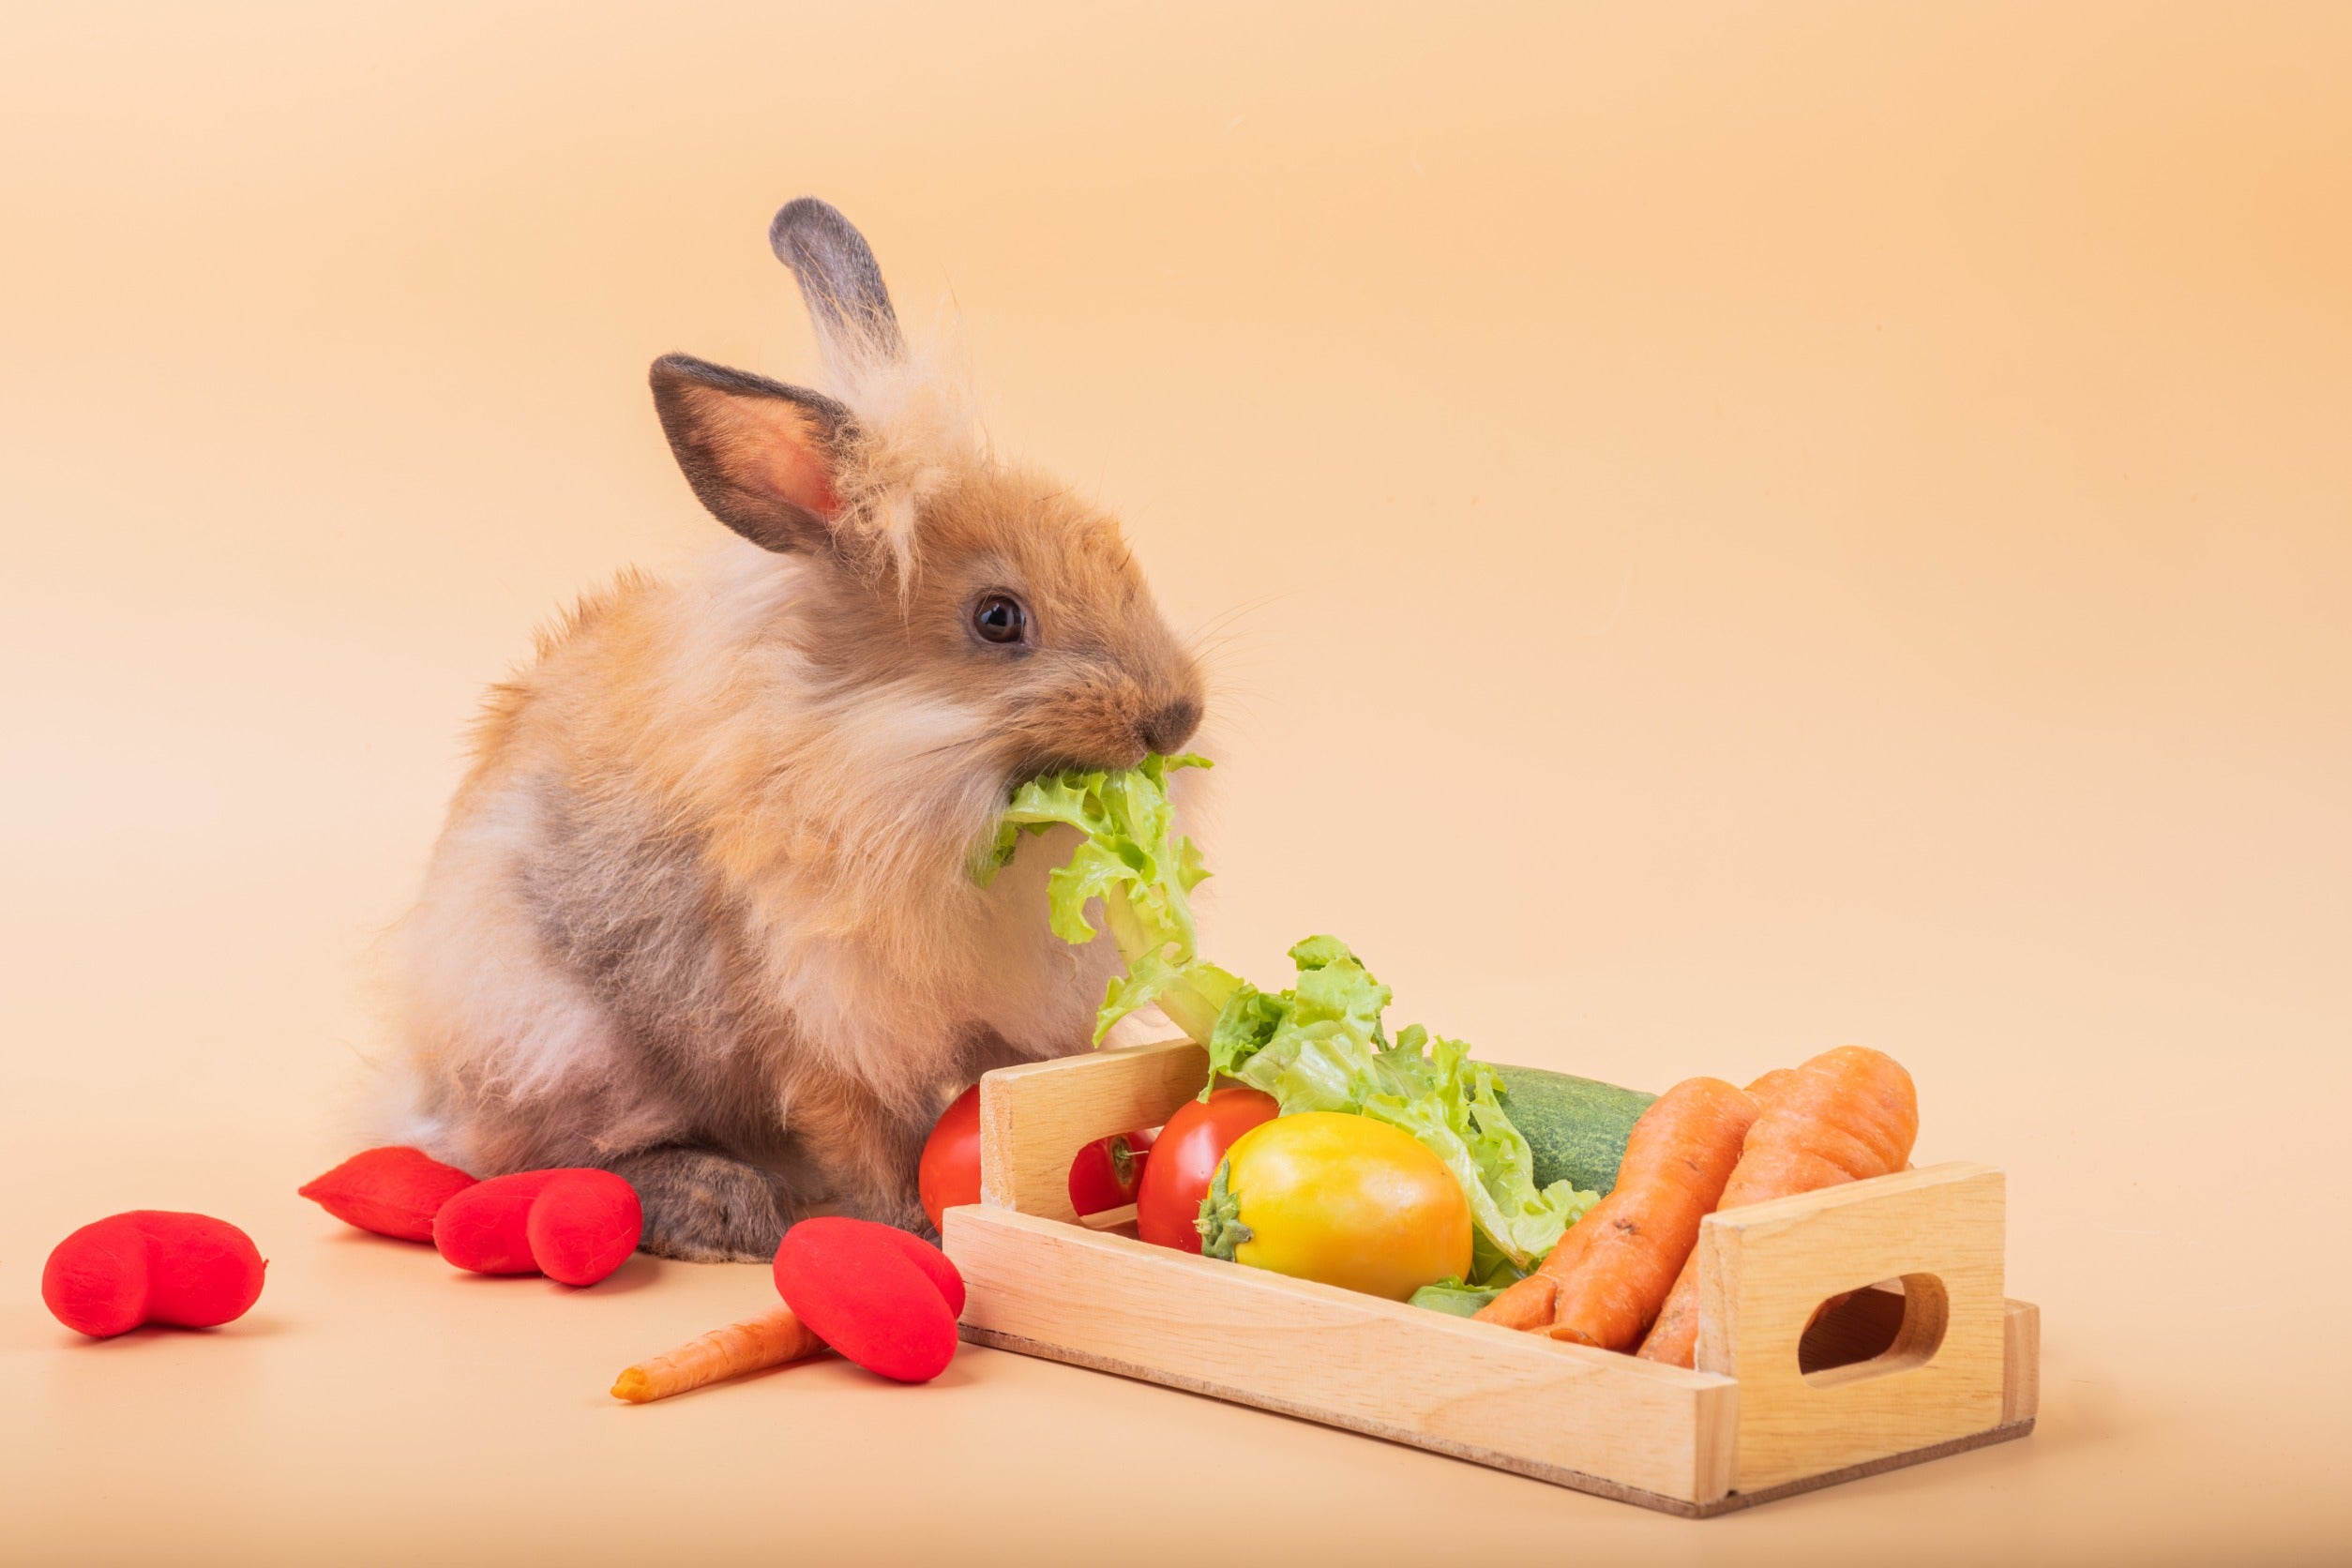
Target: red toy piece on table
{"x":574,"y":1226}
{"x":885,"y":1300}
{"x":152,"y":1266}
{"x":393,"y":1191}
{"x":583,"y":1225}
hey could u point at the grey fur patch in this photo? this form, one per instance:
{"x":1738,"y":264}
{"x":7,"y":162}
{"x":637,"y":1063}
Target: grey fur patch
{"x":634,"y":913}
{"x":838,"y":279}
{"x":705,"y":1208}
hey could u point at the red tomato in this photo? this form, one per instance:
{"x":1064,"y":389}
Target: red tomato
{"x":1105,"y":1173}
{"x":948,"y":1174}
{"x":1185,"y":1158}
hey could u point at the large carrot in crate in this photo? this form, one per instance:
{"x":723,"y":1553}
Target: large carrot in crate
{"x":1847,"y":1115}
{"x":1607,"y":1279}
{"x":1683,"y":1153}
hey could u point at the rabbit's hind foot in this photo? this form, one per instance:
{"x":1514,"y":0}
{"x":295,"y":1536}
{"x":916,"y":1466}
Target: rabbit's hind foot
{"x":706,"y":1208}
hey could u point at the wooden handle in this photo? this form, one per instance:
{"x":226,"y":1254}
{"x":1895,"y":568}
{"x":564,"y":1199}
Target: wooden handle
{"x":1764,"y":1269}
{"x":1034,"y":1118}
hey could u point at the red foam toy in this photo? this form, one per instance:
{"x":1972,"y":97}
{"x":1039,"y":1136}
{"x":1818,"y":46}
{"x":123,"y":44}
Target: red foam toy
{"x":483,"y":1229}
{"x":887,"y":1300}
{"x":592,"y":1221}
{"x":392,"y":1192}
{"x":152,"y":1266}
{"x":936,"y":1265}
{"x":584,"y":1226}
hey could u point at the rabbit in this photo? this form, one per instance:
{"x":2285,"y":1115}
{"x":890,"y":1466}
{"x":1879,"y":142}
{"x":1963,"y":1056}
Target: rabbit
{"x":703,"y":912}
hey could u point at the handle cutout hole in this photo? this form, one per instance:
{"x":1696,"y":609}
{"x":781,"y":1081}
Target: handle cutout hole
{"x":1881,"y":1329}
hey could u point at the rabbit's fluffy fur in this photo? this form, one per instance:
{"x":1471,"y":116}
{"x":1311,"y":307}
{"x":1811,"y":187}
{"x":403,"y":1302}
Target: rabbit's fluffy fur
{"x":702,"y":911}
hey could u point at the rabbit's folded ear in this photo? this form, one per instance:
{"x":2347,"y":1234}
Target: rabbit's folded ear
{"x":761,"y":455}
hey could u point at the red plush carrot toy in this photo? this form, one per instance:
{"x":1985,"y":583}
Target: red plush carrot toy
{"x":574,"y":1226}
{"x":887,"y":1300}
{"x":883,"y":1299}
{"x":152,"y":1266}
{"x":393,"y":1191}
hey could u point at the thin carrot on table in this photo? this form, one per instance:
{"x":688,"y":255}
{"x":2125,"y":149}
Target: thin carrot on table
{"x":1847,"y":1115}
{"x":1680,"y":1154}
{"x":771,"y":1339}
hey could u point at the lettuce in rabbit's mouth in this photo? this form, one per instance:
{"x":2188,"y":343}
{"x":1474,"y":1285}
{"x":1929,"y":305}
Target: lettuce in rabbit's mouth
{"x":1143,"y":871}
{"x":1317,"y":1046}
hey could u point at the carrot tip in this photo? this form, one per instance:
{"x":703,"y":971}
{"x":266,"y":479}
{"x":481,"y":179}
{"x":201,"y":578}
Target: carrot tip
{"x":633,"y":1386}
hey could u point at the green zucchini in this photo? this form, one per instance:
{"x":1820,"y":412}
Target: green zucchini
{"x":1577,"y":1128}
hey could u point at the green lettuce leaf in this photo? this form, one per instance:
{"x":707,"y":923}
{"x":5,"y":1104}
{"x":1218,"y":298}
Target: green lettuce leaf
{"x":1319,"y":1044}
{"x":1450,"y":1295}
{"x":1142,"y":870}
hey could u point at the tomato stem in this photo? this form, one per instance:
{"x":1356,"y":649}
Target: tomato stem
{"x":1222,"y":1232}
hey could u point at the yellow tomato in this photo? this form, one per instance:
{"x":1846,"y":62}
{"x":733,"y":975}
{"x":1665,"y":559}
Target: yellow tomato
{"x":1341,"y":1198}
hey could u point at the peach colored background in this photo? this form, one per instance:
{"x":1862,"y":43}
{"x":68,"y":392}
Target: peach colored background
{"x":1734,"y":529}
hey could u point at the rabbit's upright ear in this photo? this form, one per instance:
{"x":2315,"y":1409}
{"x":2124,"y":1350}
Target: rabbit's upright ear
{"x":761,"y":455}
{"x":847,"y":299}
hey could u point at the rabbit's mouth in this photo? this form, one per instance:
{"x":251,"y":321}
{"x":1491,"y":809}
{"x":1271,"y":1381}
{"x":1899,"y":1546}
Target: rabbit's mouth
{"x":1048,"y":763}
{"x":1117,"y":738}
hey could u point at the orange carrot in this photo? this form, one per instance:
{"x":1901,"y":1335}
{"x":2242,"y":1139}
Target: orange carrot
{"x":1527,"y":1305}
{"x":1764,"y":1091}
{"x":771,"y":1339}
{"x":1679,"y":1155}
{"x":1847,"y":1115}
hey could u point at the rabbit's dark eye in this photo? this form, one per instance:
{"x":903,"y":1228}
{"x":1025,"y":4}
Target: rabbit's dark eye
{"x":1000,"y":618}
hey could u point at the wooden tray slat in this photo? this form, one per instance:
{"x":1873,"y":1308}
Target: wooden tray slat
{"x":1400,"y":1372}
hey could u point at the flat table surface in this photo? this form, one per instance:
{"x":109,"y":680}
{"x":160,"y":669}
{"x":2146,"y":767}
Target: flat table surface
{"x":1716,"y":536}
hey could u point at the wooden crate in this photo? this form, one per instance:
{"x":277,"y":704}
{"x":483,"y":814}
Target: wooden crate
{"x":1774,"y":1409}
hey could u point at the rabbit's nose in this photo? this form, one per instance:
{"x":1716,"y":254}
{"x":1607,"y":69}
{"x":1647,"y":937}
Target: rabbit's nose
{"x":1167,"y":730}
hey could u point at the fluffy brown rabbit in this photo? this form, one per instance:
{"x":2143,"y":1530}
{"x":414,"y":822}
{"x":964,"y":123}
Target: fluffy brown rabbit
{"x":702,"y":913}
